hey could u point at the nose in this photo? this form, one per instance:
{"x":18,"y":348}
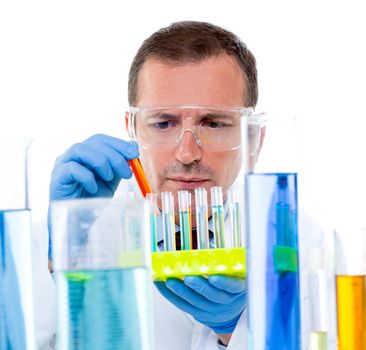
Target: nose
{"x":188,"y":149}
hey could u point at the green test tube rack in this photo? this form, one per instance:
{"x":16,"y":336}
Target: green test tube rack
{"x":219,"y":261}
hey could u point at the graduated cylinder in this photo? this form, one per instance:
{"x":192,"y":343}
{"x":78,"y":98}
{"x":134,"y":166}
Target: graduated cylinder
{"x":269,"y":154}
{"x":16,"y":281}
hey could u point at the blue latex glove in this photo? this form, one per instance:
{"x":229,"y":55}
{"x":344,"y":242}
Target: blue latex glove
{"x":216,"y":302}
{"x":91,"y":169}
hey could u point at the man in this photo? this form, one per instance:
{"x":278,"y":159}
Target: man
{"x":189,"y":84}
{"x":187,"y":63}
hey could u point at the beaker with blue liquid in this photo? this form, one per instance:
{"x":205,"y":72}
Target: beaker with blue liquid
{"x":269,"y":158}
{"x":16,"y":282}
{"x":101,"y":261}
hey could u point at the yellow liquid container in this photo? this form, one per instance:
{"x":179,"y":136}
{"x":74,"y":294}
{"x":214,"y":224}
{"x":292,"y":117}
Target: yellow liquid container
{"x":350,"y":288}
{"x":351,"y":311}
{"x":364,"y":312}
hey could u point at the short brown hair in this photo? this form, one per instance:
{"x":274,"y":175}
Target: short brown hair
{"x":190,"y":41}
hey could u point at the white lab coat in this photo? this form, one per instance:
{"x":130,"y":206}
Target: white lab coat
{"x":173,"y":329}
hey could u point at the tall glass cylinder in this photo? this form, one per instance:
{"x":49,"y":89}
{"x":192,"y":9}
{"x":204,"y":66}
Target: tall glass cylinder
{"x":16,"y":282}
{"x":101,"y":261}
{"x":350,"y":286}
{"x":317,"y":299}
{"x":269,"y":156}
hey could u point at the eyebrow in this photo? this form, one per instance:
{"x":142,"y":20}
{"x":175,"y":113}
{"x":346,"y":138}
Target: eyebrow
{"x":199,"y":117}
{"x":217,"y":116}
{"x":164,"y":115}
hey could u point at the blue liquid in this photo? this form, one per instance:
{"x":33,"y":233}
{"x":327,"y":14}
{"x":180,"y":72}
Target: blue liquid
{"x":273,"y":280}
{"x":154,"y":233}
{"x":104,"y":309}
{"x":16,"y":323}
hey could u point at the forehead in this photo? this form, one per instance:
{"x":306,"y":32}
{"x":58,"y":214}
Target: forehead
{"x":215,"y":81}
{"x":184,"y":114}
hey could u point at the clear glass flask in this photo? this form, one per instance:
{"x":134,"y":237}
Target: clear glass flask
{"x":16,"y":281}
{"x":270,"y":172}
{"x":101,"y":262}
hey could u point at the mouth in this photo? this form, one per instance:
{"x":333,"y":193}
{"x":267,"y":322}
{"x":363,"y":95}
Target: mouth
{"x":188,"y":182}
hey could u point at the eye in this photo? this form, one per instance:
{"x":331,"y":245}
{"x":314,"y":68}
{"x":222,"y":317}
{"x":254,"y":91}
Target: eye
{"x":164,"y":125}
{"x":214,"y":124}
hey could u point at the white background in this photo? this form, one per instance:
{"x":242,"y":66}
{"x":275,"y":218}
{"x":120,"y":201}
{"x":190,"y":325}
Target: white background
{"x":64,"y":66}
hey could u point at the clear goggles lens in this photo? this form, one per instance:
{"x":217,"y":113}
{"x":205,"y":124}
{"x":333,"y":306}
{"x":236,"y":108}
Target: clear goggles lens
{"x":213,"y":128}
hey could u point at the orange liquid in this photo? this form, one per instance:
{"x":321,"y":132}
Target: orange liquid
{"x":351,"y":312}
{"x":364,"y":313}
{"x":140,"y":176}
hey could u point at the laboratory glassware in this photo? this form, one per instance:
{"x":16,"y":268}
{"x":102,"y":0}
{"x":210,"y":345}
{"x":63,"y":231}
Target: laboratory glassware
{"x":236,"y":217}
{"x":218,"y":216}
{"x":101,"y":263}
{"x":318,"y":297}
{"x":204,"y":260}
{"x":270,"y":173}
{"x":350,"y":286}
{"x":17,"y":322}
{"x":202,"y":218}
{"x":184,"y":201}
{"x":140,"y":176}
{"x":154,"y":213}
{"x":167,"y":199}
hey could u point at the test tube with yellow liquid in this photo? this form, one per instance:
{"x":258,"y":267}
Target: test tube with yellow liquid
{"x":350,"y":289}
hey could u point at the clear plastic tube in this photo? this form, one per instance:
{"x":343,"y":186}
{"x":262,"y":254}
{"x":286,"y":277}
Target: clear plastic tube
{"x":154,"y":212}
{"x":184,"y":200}
{"x":201,"y":218}
{"x":317,"y":300}
{"x":218,"y":216}
{"x":167,"y":199}
{"x":235,"y":220}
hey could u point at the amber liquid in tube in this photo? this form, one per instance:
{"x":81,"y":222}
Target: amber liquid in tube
{"x":351,"y":310}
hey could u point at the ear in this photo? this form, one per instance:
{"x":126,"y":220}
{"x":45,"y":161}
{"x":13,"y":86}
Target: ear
{"x":126,"y":120}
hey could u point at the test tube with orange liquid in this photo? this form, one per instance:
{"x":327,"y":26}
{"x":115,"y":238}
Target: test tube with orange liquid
{"x":140,"y":176}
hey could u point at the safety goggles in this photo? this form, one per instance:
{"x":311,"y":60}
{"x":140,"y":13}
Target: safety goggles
{"x":213,"y":128}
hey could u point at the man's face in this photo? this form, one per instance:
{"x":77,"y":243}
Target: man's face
{"x":216,"y":81}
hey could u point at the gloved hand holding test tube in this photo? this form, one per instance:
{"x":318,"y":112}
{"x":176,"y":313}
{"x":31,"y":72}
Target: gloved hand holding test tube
{"x":140,"y":176}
